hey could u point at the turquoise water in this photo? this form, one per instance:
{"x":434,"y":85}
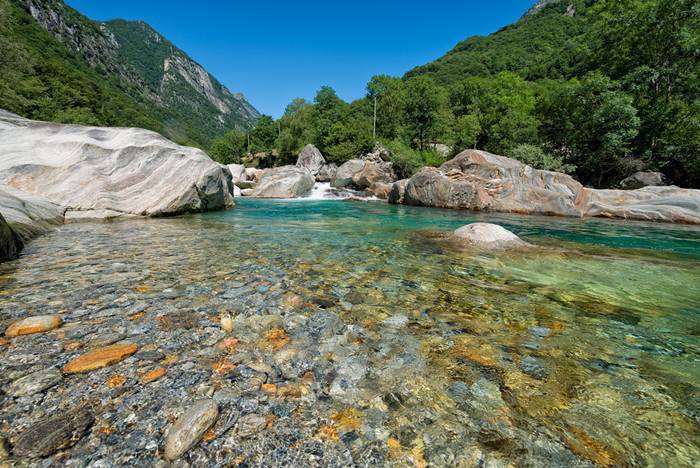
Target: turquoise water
{"x":584,"y":351}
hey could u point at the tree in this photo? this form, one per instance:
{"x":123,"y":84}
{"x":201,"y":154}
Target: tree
{"x":426,"y":110}
{"x":591,"y":124}
{"x":466,"y":132}
{"x":264,"y":135}
{"x":389,"y":93}
{"x":229,"y":148}
{"x":536,"y":157}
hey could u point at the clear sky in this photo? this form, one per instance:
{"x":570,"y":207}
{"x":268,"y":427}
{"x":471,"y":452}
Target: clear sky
{"x":274,"y":51}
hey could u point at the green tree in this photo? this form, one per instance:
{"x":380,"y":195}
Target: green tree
{"x":264,"y":135}
{"x":426,"y":110}
{"x":390,"y":95}
{"x":538,"y":158}
{"x":229,"y":148}
{"x":466,"y":132}
{"x":592,"y":124}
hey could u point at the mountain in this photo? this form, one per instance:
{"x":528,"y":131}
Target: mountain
{"x":127,"y":61}
{"x":538,"y":45}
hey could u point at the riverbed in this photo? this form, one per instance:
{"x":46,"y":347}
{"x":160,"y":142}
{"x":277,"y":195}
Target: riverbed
{"x":360,"y":336}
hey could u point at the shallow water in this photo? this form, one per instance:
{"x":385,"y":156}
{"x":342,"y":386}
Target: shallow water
{"x":406,"y":349}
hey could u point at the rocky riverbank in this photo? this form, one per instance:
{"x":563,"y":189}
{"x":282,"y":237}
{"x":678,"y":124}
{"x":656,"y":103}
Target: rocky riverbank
{"x":51,"y":173}
{"x":476,"y":180}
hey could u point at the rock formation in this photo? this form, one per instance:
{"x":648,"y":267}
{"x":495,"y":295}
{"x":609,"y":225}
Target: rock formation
{"x":283,"y":182}
{"x":645,"y":179}
{"x":311,"y":159}
{"x":488,"y":237}
{"x":477,"y":180}
{"x":122,"y":170}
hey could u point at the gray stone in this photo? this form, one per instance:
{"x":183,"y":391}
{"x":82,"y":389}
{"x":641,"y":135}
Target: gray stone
{"x":189,"y":428}
{"x":311,"y":159}
{"x":398,"y":189}
{"x":374,"y":173}
{"x":127,"y":170}
{"x":35,"y":382}
{"x":284,"y":182}
{"x":327,"y":173}
{"x":10,"y":242}
{"x":53,"y":433}
{"x":250,"y":424}
{"x":346,"y":172}
{"x":28,"y":215}
{"x":645,"y":179}
{"x":237,"y":171}
{"x":488,"y":236}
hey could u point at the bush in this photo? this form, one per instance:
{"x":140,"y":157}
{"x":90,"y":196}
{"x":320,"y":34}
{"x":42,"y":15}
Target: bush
{"x":407,"y":161}
{"x":536,"y":157}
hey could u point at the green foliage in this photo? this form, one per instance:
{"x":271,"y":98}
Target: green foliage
{"x":229,"y":148}
{"x":466,"y":132}
{"x":264,"y":135}
{"x":390,"y":96}
{"x":536,"y":157}
{"x":426,"y":111}
{"x":407,"y":160}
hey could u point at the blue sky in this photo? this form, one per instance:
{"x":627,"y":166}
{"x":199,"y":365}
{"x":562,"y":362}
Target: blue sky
{"x":275,"y":51}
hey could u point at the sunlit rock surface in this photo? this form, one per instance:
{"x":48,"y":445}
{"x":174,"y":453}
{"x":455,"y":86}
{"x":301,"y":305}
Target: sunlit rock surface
{"x":126,"y":170}
{"x":283,"y":182}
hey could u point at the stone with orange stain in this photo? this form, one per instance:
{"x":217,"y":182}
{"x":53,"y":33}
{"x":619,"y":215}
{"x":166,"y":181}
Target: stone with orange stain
{"x":222,"y":366}
{"x":35,"y":324}
{"x":270,"y":420}
{"x":228,"y":344}
{"x":347,"y":419}
{"x":72,"y":346}
{"x":137,"y":316}
{"x":393,"y":444}
{"x":142,"y":289}
{"x":269,"y":388}
{"x":117,"y":380}
{"x":4,"y":342}
{"x":169,"y":359}
{"x":276,"y":338}
{"x":153,"y":375}
{"x":292,"y":390}
{"x":328,"y":433}
{"x":100,"y":357}
{"x":585,"y":446}
{"x":475,"y":351}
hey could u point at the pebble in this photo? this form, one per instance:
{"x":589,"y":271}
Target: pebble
{"x":100,"y":357}
{"x":189,"y":428}
{"x":36,"y":324}
{"x":54,"y":433}
{"x":250,"y":424}
{"x":34,"y":383}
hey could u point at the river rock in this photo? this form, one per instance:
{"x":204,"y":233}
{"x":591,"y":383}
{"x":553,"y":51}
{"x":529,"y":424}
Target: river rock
{"x":381,"y":190}
{"x":373,"y":173}
{"x":10,"y":242}
{"x":128,"y":170}
{"x":482,"y":181}
{"x":35,"y":382}
{"x":237,"y":192}
{"x":311,"y":159}
{"x":54,"y":433}
{"x":250,"y":424}
{"x":189,"y":428}
{"x":237,"y":171}
{"x":252,"y":174}
{"x":35,"y":324}
{"x":327,"y":173}
{"x":644,"y":179}
{"x":344,"y":174}
{"x":100,"y":357}
{"x":398,"y":189}
{"x":488,"y":236}
{"x":284,"y":182}
{"x":379,"y":153}
{"x":27,"y":214}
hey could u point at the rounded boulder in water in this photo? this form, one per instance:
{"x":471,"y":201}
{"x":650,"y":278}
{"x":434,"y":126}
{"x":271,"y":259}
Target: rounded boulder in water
{"x":488,"y":237}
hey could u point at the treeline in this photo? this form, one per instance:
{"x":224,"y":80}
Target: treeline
{"x":630,"y":101}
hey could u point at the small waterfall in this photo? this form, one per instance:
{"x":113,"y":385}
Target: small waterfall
{"x":324,"y":191}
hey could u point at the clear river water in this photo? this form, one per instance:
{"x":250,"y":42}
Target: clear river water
{"x":372,"y":339}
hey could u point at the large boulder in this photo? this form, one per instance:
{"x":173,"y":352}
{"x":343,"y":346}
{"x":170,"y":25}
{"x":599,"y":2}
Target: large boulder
{"x":345,"y":173}
{"x":477,"y":180}
{"x":374,"y":173}
{"x":284,"y":182}
{"x":10,"y":243}
{"x":311,"y":159}
{"x":488,"y":237}
{"x":126,"y":170}
{"x":645,"y":179}
{"x":327,"y":173}
{"x":237,"y":171}
{"x":398,"y":189}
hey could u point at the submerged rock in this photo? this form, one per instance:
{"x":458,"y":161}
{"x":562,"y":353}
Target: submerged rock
{"x":34,"y":383}
{"x":128,"y":170}
{"x":100,"y":357}
{"x":190,"y":427}
{"x":645,"y":179}
{"x":54,"y":433}
{"x":488,"y":236}
{"x":35,"y":324}
{"x":478,"y":180}
{"x":284,"y":182}
{"x":311,"y":159}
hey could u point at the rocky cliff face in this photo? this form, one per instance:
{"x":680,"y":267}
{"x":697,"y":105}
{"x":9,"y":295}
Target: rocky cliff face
{"x":149,"y":66}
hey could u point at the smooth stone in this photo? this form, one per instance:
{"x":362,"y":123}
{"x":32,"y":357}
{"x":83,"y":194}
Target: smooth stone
{"x":250,"y":424}
{"x":488,"y":236}
{"x":36,"y":324}
{"x":284,"y":182}
{"x":54,"y":433}
{"x":645,"y":179}
{"x":311,"y":159}
{"x":34,"y":383}
{"x":100,"y":357}
{"x":27,"y":214}
{"x":189,"y":428}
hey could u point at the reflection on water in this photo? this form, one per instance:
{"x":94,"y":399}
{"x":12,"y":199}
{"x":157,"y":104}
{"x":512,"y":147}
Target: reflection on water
{"x":586,"y":351}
